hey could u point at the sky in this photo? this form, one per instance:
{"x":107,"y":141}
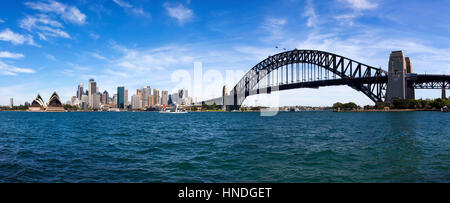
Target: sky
{"x":53,"y":45}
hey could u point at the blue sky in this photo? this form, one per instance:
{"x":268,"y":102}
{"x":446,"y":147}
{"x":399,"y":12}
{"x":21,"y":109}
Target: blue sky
{"x":52,"y":45}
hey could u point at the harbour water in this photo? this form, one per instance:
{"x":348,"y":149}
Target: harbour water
{"x":225,"y":147}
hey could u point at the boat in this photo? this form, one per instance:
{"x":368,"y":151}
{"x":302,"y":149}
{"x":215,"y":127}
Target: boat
{"x":175,"y":110}
{"x":444,"y":109}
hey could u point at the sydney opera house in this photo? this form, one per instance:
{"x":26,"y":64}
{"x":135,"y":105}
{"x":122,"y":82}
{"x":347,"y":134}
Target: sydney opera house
{"x":54,"y":104}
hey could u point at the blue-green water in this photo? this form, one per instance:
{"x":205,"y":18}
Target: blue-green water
{"x":225,"y":147}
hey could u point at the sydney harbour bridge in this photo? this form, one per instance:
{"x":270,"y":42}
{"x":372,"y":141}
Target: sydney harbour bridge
{"x":313,"y":69}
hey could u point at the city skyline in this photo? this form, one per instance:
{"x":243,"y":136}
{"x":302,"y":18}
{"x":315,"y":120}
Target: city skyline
{"x":48,"y":46}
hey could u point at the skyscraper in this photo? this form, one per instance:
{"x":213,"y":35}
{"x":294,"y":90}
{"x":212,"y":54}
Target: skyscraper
{"x":121,"y":97}
{"x":150,"y":100}
{"x":92,"y":91}
{"x":156,"y":97}
{"x":105,"y":97}
{"x":126,"y":101}
{"x":96,"y":101}
{"x":146,"y":91}
{"x":135,"y":102}
{"x":11,"y":103}
{"x":165,"y":97}
{"x":80,"y":91}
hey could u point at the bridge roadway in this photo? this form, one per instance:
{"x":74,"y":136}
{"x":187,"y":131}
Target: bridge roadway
{"x":420,"y":81}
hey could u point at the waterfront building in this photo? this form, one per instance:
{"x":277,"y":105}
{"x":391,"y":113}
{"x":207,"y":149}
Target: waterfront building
{"x":38,"y":104}
{"x":11,"y":103}
{"x":114,"y":100}
{"x":84,"y":102}
{"x":80,"y":90}
{"x":135,"y":102}
{"x":125,"y":97}
{"x":150,"y":100}
{"x":156,"y":97}
{"x":55,"y":104}
{"x":121,"y":97}
{"x":164,"y":97}
{"x":146,"y":91}
{"x":105,"y":97}
{"x":27,"y":103}
{"x":92,"y":91}
{"x":139,"y":93}
{"x":96,"y":101}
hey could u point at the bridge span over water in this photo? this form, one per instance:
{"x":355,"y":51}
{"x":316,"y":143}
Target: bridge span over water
{"x":313,"y":69}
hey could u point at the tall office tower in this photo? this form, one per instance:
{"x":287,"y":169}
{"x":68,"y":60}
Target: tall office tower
{"x":92,"y":91}
{"x":150,"y":100}
{"x":114,"y":100}
{"x":174,"y":98}
{"x":156,"y":97}
{"x":126,"y":101}
{"x":139,"y":93}
{"x":396,"y":81}
{"x":80,"y":90}
{"x":121,"y":97}
{"x":84,"y":102}
{"x":182,"y":96}
{"x":105,"y":97}
{"x":164,"y":97}
{"x":135,"y":102}
{"x":146,"y":91}
{"x":96,"y":101}
{"x":11,"y":103}
{"x":410,"y":91}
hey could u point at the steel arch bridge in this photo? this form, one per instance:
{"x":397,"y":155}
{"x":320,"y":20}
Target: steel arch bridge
{"x":313,"y":69}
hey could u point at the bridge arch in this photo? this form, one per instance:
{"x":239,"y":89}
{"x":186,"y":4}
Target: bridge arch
{"x":312,"y":69}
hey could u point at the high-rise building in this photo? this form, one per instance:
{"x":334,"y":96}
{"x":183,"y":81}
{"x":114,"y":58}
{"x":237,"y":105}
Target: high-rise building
{"x":84,"y":102}
{"x":105,"y":97}
{"x":126,"y":101}
{"x":92,"y":91}
{"x":150,"y":100}
{"x":121,"y":97}
{"x":114,"y":100}
{"x":156,"y":97}
{"x":11,"y":103}
{"x":135,"y":102}
{"x":96,"y":101}
{"x":80,"y":90}
{"x":146,"y":91}
{"x":164,"y":97}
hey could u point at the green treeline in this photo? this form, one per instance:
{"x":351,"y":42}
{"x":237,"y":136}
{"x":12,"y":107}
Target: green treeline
{"x":398,"y":104}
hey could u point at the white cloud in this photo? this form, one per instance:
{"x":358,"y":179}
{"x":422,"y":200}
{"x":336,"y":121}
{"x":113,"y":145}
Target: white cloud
{"x":2,"y":21}
{"x":10,"y":36}
{"x":11,"y":70}
{"x":361,"y":4}
{"x":129,"y":7}
{"x":310,"y":13}
{"x":67,"y":13}
{"x":50,"y":57}
{"x":47,"y":27}
{"x":179,"y":12}
{"x":275,"y":27}
{"x":6,"y":54}
{"x":98,"y":56}
{"x":94,"y":36}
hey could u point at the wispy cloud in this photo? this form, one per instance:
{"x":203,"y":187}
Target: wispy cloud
{"x":2,"y":21}
{"x":6,"y":54}
{"x":98,"y":56}
{"x":50,"y":57}
{"x":310,"y":14}
{"x":361,"y":4}
{"x":179,"y":12}
{"x":10,"y":36}
{"x":46,"y":26}
{"x":67,"y":13}
{"x":11,"y":70}
{"x":274,"y":26}
{"x":129,"y":7}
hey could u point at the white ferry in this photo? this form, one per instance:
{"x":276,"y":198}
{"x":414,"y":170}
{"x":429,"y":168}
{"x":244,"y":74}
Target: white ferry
{"x":174,"y":110}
